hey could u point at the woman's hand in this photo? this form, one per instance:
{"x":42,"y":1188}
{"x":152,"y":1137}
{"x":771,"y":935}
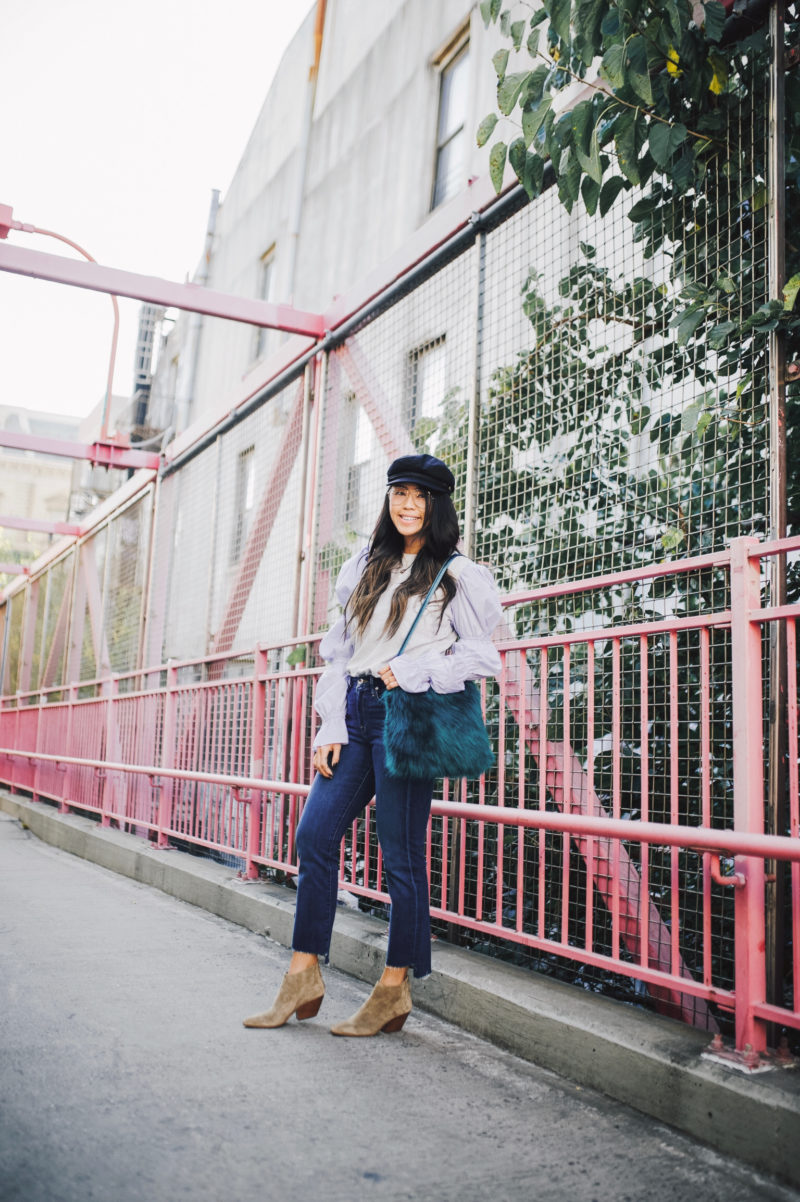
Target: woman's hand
{"x":387,"y":676}
{"x":326,"y":758}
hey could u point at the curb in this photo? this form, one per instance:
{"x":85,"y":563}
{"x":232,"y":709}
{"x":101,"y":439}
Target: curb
{"x":650,"y":1063}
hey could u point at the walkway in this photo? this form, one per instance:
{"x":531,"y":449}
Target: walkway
{"x":125,"y":1076}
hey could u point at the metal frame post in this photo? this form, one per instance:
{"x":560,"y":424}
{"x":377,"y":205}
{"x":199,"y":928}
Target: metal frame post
{"x":168,"y":728}
{"x":748,"y":792}
{"x":475,"y":398}
{"x":257,"y":734}
{"x":314,"y":492}
{"x":776,"y":815}
{"x":110,"y":689}
{"x":37,"y":763}
{"x":304,"y":473}
{"x":72,"y":697}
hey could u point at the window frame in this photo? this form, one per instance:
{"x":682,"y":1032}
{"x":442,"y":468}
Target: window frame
{"x":456,"y":47}
{"x":264,"y":291}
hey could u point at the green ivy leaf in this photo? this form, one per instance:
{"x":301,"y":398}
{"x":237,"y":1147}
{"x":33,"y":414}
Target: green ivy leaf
{"x":719,"y":335}
{"x":500,"y":62}
{"x":560,"y":12}
{"x":588,"y":18}
{"x":490,"y":10}
{"x":532,"y":119}
{"x":505,"y":23}
{"x":534,"y":88}
{"x":665,"y":140}
{"x":715,"y":18}
{"x":533,"y":180}
{"x":590,"y":191}
{"x":637,"y":75}
{"x":612,"y":66}
{"x":610,"y":191}
{"x":297,"y":655}
{"x":582,"y":121}
{"x":517,"y":153}
{"x":672,"y":538}
{"x":569,"y":180}
{"x":517,"y":32}
{"x":486,"y":128}
{"x":533,"y":42}
{"x":591,"y":162}
{"x":703,"y":422}
{"x":682,"y":172}
{"x":690,"y":416}
{"x":508,"y":90}
{"x":688,"y":324}
{"x":673,"y":16}
{"x":790,"y":292}
{"x":497,"y":164}
{"x":625,"y":141}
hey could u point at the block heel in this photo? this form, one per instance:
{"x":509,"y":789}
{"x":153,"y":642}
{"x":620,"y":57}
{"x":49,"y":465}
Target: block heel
{"x":309,"y":1009}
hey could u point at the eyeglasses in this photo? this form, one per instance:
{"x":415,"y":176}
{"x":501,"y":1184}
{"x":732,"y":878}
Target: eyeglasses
{"x":413,"y":492}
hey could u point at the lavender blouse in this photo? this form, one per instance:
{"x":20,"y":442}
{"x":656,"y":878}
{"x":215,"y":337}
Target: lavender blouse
{"x":465,"y":635}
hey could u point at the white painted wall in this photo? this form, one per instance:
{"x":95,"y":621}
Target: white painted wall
{"x":369,"y":174}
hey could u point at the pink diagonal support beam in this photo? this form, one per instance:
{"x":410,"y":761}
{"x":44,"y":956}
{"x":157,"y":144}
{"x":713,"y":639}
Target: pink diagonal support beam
{"x":261,"y":528}
{"x":392,"y":434}
{"x":569,"y":787}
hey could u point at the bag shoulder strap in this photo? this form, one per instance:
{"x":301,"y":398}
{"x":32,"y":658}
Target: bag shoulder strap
{"x":431,"y":591}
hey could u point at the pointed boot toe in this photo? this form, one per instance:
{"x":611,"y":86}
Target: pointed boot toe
{"x":301,"y":993}
{"x":386,"y":1009}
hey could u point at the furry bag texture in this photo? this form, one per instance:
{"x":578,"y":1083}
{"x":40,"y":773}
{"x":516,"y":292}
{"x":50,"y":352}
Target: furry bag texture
{"x":428,"y":735}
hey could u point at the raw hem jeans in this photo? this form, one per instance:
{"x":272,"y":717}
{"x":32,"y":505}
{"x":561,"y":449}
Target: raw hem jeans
{"x":402,"y":808}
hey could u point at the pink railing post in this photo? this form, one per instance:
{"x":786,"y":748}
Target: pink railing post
{"x":168,"y":728}
{"x":63,"y":803}
{"x":257,"y":733}
{"x":748,"y":792}
{"x":110,"y":690}
{"x":38,"y":746}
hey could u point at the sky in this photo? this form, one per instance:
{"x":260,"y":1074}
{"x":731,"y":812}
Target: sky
{"x":118,"y":121}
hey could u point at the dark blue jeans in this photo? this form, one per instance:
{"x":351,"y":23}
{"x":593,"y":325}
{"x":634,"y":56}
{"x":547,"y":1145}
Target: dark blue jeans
{"x":402,"y":808}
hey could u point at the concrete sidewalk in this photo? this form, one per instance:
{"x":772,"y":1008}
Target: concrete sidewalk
{"x":125,"y":1073}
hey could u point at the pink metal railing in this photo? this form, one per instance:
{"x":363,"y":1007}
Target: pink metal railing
{"x":543,"y":852}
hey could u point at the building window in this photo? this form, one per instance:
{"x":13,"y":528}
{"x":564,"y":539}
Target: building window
{"x":245,"y":499}
{"x":427,"y":373}
{"x":266,"y":280}
{"x":451,"y":136}
{"x":361,"y":498}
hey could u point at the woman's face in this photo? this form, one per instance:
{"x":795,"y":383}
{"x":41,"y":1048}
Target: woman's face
{"x":408,"y":509}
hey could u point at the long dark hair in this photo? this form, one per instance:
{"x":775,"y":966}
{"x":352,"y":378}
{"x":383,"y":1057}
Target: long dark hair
{"x":385,"y":554}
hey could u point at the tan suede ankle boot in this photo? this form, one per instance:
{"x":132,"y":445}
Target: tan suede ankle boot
{"x":300,"y":993}
{"x":386,"y":1009}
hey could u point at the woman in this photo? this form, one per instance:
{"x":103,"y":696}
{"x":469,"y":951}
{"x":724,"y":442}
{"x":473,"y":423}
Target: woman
{"x":381,"y":591}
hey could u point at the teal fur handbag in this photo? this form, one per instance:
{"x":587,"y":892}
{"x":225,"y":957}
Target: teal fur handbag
{"x":428,"y":735}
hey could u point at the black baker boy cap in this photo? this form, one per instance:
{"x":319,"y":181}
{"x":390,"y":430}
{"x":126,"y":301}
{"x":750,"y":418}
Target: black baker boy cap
{"x":425,"y":470}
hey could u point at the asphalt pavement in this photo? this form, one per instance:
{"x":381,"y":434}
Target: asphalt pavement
{"x":126,"y":1075}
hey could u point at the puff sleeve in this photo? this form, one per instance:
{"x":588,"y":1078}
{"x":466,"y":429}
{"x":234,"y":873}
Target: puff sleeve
{"x":475,"y":611}
{"x":336,"y":648}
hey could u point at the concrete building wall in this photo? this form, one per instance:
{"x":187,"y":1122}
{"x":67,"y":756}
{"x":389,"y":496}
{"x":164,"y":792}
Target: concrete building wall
{"x":368,"y":182}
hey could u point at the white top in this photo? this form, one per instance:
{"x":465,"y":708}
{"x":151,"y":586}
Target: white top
{"x":442,"y":657}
